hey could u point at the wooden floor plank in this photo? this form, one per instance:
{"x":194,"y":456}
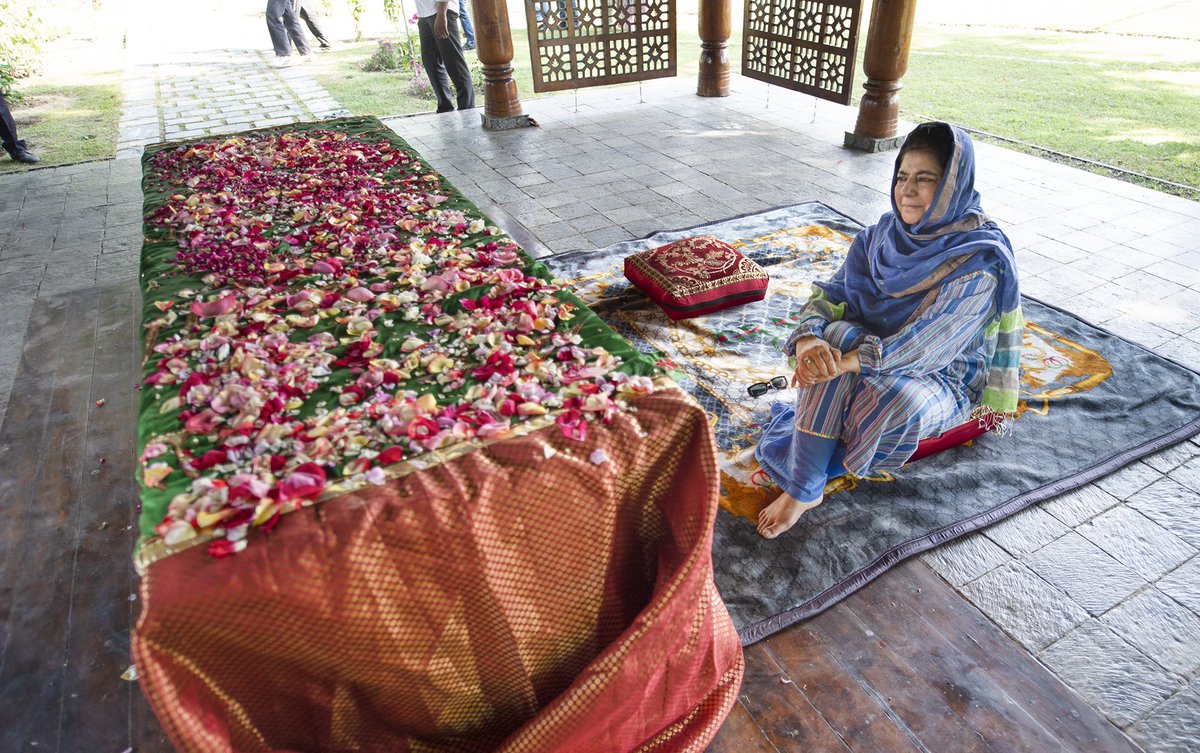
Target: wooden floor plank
{"x":32,"y":679}
{"x":22,"y":441}
{"x":973,"y":687}
{"x":910,"y":698}
{"x":740,"y":733}
{"x":101,"y":611}
{"x":976,"y":641}
{"x":851,"y":709}
{"x":782,"y":708}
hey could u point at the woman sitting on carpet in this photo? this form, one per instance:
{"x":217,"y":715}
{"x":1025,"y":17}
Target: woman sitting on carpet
{"x":920,"y":326}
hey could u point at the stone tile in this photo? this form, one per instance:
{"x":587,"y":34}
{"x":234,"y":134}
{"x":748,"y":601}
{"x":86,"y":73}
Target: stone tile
{"x":1086,"y":573}
{"x":965,"y":559}
{"x":1059,"y":251}
{"x":605,"y":237}
{"x":1032,"y":611}
{"x":1137,"y":542}
{"x":1188,"y":474}
{"x":1160,"y":628}
{"x":1140,"y":331}
{"x":1027,"y":531}
{"x":1164,"y":461}
{"x":1173,"y":727}
{"x":1088,"y":241}
{"x":1173,"y":506}
{"x":1118,"y":680}
{"x":1183,"y":585}
{"x":1169,"y":269}
{"x":1080,"y":505}
{"x":1129,"y":480}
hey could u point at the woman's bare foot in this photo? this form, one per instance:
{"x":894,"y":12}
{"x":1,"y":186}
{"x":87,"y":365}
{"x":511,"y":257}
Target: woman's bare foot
{"x":782,"y":514}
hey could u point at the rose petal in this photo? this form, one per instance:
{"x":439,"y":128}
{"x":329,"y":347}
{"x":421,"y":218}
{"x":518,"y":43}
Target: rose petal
{"x":306,"y":482}
{"x":224,"y":305}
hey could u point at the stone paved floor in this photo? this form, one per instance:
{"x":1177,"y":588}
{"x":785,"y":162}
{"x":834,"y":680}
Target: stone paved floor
{"x":1102,"y":584}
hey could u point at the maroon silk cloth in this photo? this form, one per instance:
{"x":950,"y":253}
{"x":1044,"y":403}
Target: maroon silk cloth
{"x":521,"y":597}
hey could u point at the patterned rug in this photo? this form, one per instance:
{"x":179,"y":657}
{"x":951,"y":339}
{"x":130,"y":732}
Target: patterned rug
{"x":1091,"y":403}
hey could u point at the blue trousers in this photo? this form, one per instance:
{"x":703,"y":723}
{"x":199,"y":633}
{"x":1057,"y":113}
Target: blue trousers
{"x":467,"y":27}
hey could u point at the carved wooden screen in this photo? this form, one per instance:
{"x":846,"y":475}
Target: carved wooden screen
{"x":578,"y":43}
{"x":805,"y":45}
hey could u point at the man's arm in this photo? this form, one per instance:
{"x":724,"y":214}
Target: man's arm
{"x":440,"y":29}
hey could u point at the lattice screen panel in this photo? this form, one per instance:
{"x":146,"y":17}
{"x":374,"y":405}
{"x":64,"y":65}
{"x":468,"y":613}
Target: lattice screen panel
{"x":578,"y":43}
{"x":805,"y":45}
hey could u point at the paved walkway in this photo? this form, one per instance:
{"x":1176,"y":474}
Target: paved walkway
{"x":1102,"y":584}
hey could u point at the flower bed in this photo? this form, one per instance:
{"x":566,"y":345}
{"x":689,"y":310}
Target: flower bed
{"x":322,"y":310}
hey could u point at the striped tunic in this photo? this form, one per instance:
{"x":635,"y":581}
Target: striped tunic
{"x":915,"y":383}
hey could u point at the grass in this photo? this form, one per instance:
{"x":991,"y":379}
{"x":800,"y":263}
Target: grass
{"x":1128,"y":102}
{"x":66,"y":122}
{"x":72,"y":106}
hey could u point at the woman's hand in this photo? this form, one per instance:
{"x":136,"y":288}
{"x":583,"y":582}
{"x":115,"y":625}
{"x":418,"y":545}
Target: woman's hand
{"x":816,"y":362}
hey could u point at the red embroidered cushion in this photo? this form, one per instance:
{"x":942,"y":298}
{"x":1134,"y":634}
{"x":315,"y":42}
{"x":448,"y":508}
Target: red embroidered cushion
{"x":695,"y":276}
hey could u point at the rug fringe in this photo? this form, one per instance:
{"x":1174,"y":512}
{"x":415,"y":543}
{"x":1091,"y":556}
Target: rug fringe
{"x":989,"y":419}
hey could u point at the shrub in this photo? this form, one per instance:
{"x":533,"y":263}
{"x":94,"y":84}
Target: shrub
{"x":402,"y":57}
{"x":388,"y":57}
{"x":20,"y":43}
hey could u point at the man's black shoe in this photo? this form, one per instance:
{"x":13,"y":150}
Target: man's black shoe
{"x":21,"y":154}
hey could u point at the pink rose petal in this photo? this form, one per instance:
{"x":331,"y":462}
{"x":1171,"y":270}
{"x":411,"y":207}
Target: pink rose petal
{"x":224,"y":305}
{"x":306,"y":482}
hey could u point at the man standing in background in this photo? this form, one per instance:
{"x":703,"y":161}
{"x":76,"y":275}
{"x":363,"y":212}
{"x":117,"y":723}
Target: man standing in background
{"x":467,"y":27}
{"x":442,"y":54}
{"x":283,"y":23}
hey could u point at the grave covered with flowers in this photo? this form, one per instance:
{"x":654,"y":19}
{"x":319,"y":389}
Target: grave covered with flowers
{"x":322,"y":310}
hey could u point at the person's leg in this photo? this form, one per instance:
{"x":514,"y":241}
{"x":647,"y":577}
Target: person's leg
{"x":431,"y":61}
{"x":450,"y":50}
{"x":800,"y":449}
{"x":468,"y":28}
{"x":807,"y":459}
{"x":8,"y":136}
{"x":313,"y":22}
{"x":8,"y":128}
{"x":890,"y":414}
{"x":291,"y":22}
{"x":279,"y":38}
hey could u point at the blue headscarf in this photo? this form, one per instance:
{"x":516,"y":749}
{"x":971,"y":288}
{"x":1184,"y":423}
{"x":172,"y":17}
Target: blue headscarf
{"x":894,"y":270}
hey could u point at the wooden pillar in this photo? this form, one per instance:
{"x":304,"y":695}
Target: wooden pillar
{"x":715,"y":27}
{"x":884,"y":63}
{"x":493,"y":37}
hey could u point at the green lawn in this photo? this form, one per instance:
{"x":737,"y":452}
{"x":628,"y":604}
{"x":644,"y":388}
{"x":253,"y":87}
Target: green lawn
{"x":1130,"y":102}
{"x":72,"y":104}
{"x":68,"y":121}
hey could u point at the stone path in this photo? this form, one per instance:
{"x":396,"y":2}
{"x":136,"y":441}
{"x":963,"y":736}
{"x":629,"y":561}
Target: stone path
{"x":207,"y":93}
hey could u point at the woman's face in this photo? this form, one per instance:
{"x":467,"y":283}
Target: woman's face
{"x":916,"y":183}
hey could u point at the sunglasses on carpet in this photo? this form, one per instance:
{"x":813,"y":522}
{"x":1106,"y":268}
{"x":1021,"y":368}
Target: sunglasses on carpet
{"x":758,"y":389}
